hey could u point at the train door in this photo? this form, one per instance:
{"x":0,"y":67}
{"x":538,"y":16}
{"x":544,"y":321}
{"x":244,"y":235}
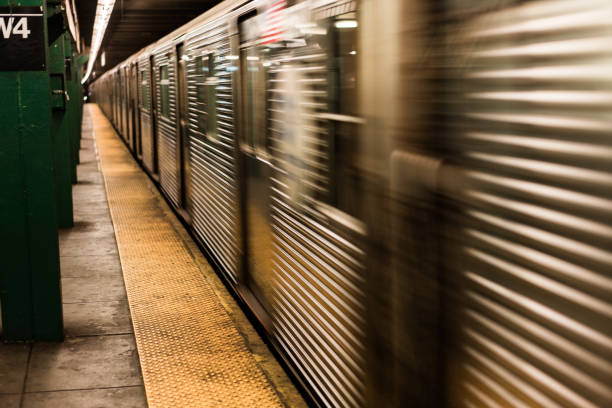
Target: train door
{"x":256,"y":165}
{"x":145,"y":126}
{"x":113,"y":81}
{"x":183,"y":133}
{"x":153,"y":89}
{"x":119,"y":110}
{"x":122,"y":103}
{"x":117,"y":95}
{"x":123,"y":92}
{"x":136,"y":145}
{"x":127,"y":131}
{"x":131,"y":105}
{"x":138,"y":107}
{"x":116,"y":98}
{"x":128,"y":108}
{"x":319,"y":253}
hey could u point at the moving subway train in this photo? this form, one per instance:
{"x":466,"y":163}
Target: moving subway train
{"x":412,"y":196}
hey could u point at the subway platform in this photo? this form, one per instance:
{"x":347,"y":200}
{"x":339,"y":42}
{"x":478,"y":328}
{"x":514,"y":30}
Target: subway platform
{"x":147,"y":320}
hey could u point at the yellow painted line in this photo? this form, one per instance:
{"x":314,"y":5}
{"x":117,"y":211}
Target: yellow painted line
{"x":191,"y":353}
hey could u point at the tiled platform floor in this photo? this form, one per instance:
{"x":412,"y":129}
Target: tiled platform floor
{"x":97,"y":365}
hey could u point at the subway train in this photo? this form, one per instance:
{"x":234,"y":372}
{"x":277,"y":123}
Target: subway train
{"x":413,"y":197}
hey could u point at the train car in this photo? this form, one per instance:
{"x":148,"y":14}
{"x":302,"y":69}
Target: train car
{"x":412,"y":197}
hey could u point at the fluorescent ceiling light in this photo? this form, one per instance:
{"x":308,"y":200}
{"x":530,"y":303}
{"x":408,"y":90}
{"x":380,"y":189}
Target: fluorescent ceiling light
{"x":346,"y":24}
{"x":103,"y":14}
{"x":73,"y":23}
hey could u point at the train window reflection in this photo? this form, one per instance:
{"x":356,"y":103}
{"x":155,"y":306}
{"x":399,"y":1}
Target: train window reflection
{"x":144,"y":90}
{"x":200,"y":78}
{"x":346,"y":59}
{"x":165,"y":91}
{"x":344,"y":97}
{"x":254,"y":96}
{"x":201,"y":93}
{"x":211,"y":82}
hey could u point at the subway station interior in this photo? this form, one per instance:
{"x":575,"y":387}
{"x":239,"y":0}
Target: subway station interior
{"x":306,"y":203}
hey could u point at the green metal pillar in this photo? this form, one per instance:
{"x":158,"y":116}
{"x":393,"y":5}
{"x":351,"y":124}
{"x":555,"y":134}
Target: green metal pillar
{"x":78,"y":69}
{"x":29,"y":277}
{"x":73,"y":104}
{"x":79,"y":63}
{"x":60,"y":117}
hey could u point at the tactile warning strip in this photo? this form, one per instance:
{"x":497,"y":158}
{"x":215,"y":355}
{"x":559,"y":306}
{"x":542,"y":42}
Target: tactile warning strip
{"x":190,"y":352}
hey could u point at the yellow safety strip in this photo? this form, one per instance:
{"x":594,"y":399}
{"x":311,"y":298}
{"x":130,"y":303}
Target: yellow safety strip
{"x":191,"y":353}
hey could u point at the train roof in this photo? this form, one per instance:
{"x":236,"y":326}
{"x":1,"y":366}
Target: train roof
{"x":221,"y":11}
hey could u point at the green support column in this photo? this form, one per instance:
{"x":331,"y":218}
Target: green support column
{"x":79,"y":63}
{"x":78,"y":69}
{"x":81,"y":60}
{"x":60,"y":128}
{"x":29,"y":277}
{"x":72,"y":106}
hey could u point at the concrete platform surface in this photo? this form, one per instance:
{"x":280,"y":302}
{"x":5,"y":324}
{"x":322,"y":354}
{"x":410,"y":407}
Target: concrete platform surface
{"x":196,"y":345}
{"x":97,"y":365}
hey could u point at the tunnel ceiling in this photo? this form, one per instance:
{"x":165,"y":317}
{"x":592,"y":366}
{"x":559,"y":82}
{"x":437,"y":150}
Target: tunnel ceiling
{"x":135,"y":24}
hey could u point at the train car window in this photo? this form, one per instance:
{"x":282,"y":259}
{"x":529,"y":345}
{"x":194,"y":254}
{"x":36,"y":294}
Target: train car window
{"x":254,"y":94}
{"x":165,"y":91}
{"x":253,"y":67}
{"x":144,"y":90}
{"x":345,"y":36}
{"x":200,"y":77}
{"x":211,"y":83}
{"x":344,"y":97}
{"x":201,"y":93}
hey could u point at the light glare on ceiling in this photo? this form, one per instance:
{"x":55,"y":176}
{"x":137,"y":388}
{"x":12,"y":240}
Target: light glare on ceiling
{"x":103,"y":14}
{"x":346,"y":24}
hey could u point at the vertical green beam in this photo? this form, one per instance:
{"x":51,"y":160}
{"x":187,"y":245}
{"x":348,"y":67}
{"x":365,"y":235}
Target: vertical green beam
{"x":78,"y":99}
{"x":15,"y":295}
{"x":60,"y":133}
{"x":79,"y":87}
{"x":78,"y":69}
{"x":78,"y":64}
{"x":79,"y":96}
{"x":81,"y":60}
{"x":29,"y":277}
{"x":72,"y":106}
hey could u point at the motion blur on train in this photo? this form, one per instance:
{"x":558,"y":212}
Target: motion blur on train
{"x":413,"y":197}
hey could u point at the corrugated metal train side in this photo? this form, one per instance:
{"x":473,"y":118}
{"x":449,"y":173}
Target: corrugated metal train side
{"x":438,"y":235}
